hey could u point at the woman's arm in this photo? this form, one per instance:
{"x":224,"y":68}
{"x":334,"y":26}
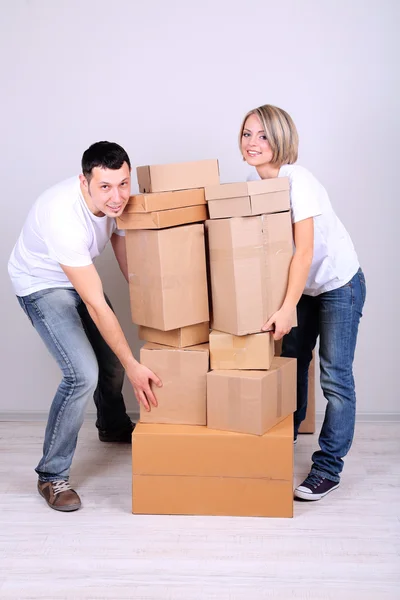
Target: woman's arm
{"x":281,"y":321}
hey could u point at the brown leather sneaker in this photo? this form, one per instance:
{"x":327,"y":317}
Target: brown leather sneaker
{"x":59,"y":495}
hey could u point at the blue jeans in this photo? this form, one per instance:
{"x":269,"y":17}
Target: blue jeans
{"x":334,"y":316}
{"x":89,"y":369}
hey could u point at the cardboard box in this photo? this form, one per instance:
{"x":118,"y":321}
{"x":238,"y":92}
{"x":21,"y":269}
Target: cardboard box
{"x":191,"y":470}
{"x":249,"y":267}
{"x":163,"y":218}
{"x":167,"y":277}
{"x":248,"y":198}
{"x":178,"y":338}
{"x":254,"y":351}
{"x":251,"y":401}
{"x":178,"y":176}
{"x":183,"y":371}
{"x":141,"y":203}
{"x":308,"y":425}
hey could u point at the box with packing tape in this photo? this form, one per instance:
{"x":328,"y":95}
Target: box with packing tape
{"x":188,"y":470}
{"x":251,"y":401}
{"x":177,"y":176}
{"x":248,"y":198}
{"x":249,"y":261}
{"x":167,"y":277}
{"x":178,"y":338}
{"x":163,"y":218}
{"x":147,"y":203}
{"x":183,"y":371}
{"x":229,"y":352}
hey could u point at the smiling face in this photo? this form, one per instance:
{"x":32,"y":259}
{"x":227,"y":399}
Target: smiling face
{"x":107,"y":191}
{"x":254,"y":144}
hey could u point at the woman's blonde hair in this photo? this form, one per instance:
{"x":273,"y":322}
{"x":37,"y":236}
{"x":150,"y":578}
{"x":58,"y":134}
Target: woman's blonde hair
{"x":280,"y":131}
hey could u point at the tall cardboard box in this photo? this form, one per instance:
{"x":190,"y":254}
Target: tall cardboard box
{"x":230,"y":352}
{"x":249,"y":268}
{"x":251,"y":401}
{"x":177,"y":176}
{"x":183,"y":371}
{"x":187,"y":470}
{"x":248,"y":198}
{"x":308,"y":425}
{"x":192,"y":335}
{"x":167,"y":277}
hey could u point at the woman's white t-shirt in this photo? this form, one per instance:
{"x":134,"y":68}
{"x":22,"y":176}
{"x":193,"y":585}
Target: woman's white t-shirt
{"x":334,"y":261}
{"x":59,"y":230}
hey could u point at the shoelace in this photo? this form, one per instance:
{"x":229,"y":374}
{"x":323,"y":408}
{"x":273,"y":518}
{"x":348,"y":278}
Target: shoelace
{"x":314,"y":480}
{"x":60,"y":486}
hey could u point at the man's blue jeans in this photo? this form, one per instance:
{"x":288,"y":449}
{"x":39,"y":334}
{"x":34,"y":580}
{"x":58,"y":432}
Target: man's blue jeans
{"x":89,"y":368}
{"x":334,"y":316}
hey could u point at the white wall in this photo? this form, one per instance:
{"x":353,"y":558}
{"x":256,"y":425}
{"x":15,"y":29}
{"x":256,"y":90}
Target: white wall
{"x":170,"y":81}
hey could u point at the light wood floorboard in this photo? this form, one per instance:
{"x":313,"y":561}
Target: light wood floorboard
{"x":345,"y":547}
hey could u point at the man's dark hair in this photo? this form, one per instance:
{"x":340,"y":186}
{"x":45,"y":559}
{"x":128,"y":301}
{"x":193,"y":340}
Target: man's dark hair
{"x":106,"y":155}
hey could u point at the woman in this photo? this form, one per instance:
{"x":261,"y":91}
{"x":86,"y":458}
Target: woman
{"x":326,"y":284}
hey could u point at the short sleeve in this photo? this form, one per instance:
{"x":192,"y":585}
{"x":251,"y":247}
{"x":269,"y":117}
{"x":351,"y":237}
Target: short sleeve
{"x":305,"y":194}
{"x":67,"y":240}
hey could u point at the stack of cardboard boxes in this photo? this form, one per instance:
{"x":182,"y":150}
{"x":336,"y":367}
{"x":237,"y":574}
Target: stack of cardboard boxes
{"x":220,"y":442}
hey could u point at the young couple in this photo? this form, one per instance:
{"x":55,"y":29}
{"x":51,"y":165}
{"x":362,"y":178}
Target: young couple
{"x":58,"y":287}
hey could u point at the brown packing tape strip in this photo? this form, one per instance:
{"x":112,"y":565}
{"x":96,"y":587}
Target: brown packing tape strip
{"x":225,"y":357}
{"x":234,"y":401}
{"x":280,"y":393}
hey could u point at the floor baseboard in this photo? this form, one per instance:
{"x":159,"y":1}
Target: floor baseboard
{"x":39,"y":415}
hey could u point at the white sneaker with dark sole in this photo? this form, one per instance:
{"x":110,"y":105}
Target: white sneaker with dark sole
{"x":315,"y":487}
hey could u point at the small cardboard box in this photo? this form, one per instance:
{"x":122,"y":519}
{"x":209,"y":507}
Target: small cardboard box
{"x":177,"y":176}
{"x":251,"y":401}
{"x":183,"y":371}
{"x":230,"y":352}
{"x":249,"y":269}
{"x":163,"y":218}
{"x":187,"y":470}
{"x":178,"y":338}
{"x":248,"y":198}
{"x":167,"y":277}
{"x":141,"y":203}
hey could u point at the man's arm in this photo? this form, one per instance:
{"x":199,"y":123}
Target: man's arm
{"x":119,"y":246}
{"x":88,"y":284}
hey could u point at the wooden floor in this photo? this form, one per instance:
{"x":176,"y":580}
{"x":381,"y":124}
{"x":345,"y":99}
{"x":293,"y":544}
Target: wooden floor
{"x":345,"y":547}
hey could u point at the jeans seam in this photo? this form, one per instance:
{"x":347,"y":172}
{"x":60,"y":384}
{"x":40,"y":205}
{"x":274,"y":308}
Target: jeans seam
{"x":69,"y":365}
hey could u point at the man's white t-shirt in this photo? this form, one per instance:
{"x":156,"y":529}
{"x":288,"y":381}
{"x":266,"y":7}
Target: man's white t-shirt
{"x":59,"y":229}
{"x":334,"y":261}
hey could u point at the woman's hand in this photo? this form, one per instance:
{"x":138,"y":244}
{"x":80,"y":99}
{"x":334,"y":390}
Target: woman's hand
{"x":280,"y":323}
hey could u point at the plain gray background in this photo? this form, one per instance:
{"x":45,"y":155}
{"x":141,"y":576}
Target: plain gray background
{"x":171,"y":81}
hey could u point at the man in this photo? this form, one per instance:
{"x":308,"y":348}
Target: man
{"x":58,"y":287}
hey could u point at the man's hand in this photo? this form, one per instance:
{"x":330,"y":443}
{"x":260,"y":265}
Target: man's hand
{"x":280,"y":323}
{"x":140,"y":378}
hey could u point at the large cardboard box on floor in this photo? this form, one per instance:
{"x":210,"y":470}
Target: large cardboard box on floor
{"x":178,"y":338}
{"x":308,"y":425}
{"x":187,"y":470}
{"x":163,"y":218}
{"x":253,"y":351}
{"x":183,"y":371}
{"x":167,"y":277}
{"x":177,"y":176}
{"x":248,"y":198}
{"x":143,"y":203}
{"x":249,"y":268}
{"x":251,"y":401}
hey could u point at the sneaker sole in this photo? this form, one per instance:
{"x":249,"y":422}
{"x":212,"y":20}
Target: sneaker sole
{"x":312,"y":497}
{"x":68,"y":508}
